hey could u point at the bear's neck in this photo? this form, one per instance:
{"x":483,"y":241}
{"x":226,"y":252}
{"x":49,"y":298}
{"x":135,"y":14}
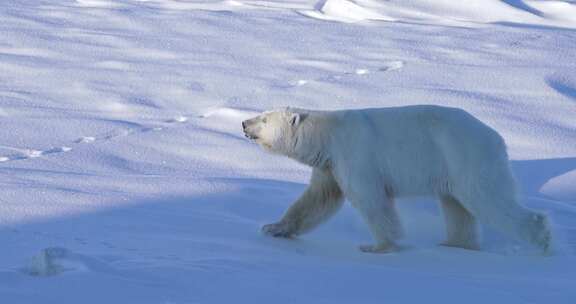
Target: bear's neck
{"x":311,"y":145}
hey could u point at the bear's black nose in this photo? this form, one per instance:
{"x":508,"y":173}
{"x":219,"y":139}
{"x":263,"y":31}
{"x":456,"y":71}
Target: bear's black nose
{"x":243,"y":125}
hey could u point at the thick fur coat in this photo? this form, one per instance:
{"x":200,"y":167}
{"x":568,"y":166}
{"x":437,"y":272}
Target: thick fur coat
{"x":373,"y":156}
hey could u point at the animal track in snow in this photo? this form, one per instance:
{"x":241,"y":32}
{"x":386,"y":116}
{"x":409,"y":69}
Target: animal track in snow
{"x":56,"y":150}
{"x":32,"y":153}
{"x":22,"y":154}
{"x":389,"y":66}
{"x":392,"y":66}
{"x":178,"y":119}
{"x":85,"y":139}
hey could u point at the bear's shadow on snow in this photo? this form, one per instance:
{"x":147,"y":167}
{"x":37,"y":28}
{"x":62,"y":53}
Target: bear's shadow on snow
{"x":185,"y":228}
{"x":187,"y":231}
{"x":228,"y":221}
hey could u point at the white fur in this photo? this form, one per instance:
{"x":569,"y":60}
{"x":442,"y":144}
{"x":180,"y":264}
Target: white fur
{"x":373,"y":156}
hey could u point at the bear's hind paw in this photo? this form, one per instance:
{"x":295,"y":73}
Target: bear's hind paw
{"x":379,"y":248}
{"x":463,"y":245}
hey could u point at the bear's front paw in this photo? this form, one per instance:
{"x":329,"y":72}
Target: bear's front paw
{"x":277,"y":230}
{"x":379,"y":248}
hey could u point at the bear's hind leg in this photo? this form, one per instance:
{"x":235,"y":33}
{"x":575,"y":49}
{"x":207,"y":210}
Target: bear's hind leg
{"x":521,"y":223}
{"x":383,"y":222}
{"x":461,"y":227}
{"x":505,"y":214}
{"x":378,"y":210}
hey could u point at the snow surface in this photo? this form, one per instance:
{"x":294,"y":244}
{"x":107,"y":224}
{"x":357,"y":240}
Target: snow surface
{"x":126,"y":179}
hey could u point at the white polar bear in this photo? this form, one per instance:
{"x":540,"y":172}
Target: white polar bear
{"x":372,"y":156}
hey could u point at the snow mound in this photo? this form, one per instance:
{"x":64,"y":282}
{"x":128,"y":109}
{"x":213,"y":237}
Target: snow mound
{"x":54,"y":261}
{"x":47,"y":262}
{"x":448,"y":12}
{"x":557,"y":10}
{"x":561,"y":187}
{"x":229,"y":114}
{"x":344,"y":11}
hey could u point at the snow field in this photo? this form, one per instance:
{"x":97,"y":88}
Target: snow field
{"x":125,"y":176}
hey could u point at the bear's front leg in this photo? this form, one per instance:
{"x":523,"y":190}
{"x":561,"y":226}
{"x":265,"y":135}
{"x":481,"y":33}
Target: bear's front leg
{"x":319,"y":202}
{"x":280,"y":229}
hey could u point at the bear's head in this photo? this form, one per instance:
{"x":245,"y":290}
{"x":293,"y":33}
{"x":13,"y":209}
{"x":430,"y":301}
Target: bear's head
{"x":274,"y":130}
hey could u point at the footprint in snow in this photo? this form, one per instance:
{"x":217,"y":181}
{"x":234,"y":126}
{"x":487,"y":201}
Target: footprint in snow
{"x":56,"y":150}
{"x":32,"y":153}
{"x":85,"y":140}
{"x":392,"y":66}
{"x":389,"y":66}
{"x":178,"y":119}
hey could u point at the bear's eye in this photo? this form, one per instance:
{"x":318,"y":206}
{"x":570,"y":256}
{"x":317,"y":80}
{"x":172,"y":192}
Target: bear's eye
{"x":264,"y":120}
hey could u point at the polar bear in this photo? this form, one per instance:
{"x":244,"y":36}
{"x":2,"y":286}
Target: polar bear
{"x":373,"y":156}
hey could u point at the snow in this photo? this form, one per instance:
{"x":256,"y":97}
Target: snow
{"x":125,"y":176}
{"x":344,"y":11}
{"x":449,"y":12}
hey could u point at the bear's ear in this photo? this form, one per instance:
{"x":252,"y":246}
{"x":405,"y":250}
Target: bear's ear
{"x":294,"y":119}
